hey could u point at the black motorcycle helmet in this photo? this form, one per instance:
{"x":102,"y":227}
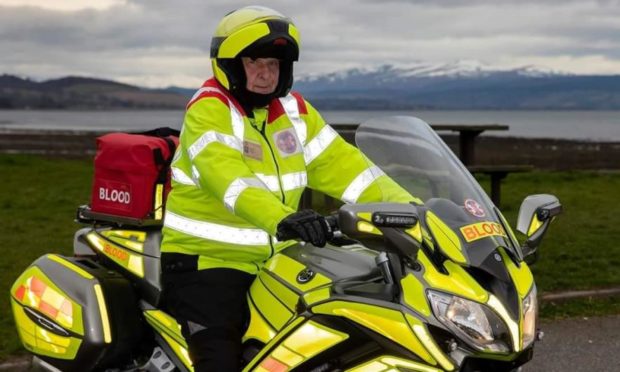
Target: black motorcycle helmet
{"x":255,"y":32}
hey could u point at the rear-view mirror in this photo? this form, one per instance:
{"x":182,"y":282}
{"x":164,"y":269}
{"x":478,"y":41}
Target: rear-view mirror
{"x":535,"y":215}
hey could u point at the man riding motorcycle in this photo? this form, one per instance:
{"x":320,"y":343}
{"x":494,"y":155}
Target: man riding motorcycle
{"x":248,"y":149}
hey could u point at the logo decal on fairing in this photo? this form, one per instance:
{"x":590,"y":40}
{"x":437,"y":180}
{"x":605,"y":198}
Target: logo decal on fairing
{"x":474,"y":208}
{"x":305,"y":276}
{"x":482,"y":230}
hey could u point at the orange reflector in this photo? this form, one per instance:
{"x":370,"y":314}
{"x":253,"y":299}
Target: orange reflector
{"x":47,"y":300}
{"x":37,"y":286}
{"x":19,"y":293}
{"x":48,"y":309}
{"x":274,"y":365}
{"x":66,"y":308}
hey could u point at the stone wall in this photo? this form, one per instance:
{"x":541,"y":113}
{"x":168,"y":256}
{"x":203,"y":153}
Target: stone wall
{"x":552,"y":154}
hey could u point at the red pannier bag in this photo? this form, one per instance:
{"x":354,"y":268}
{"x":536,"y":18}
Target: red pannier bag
{"x":132,"y":173}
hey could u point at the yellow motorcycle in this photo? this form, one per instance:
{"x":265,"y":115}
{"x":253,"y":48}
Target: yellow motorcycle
{"x":439,"y":286}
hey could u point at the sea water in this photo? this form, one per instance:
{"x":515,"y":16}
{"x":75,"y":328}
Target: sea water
{"x":588,"y":125}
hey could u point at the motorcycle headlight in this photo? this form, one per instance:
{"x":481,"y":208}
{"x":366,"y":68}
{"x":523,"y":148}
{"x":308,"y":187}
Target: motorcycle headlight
{"x":530,"y":312}
{"x":474,"y":323}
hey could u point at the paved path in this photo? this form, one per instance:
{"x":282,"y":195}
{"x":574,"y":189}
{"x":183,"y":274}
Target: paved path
{"x":578,"y":345}
{"x":572,"y":345}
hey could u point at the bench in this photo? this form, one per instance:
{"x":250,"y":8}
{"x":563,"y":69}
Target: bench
{"x":497,"y":174}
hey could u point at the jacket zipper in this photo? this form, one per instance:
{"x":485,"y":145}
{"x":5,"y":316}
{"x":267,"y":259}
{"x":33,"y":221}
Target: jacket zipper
{"x":273,"y":156}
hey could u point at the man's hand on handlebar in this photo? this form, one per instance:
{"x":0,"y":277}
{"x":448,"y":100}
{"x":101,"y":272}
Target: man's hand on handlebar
{"x":306,"y":225}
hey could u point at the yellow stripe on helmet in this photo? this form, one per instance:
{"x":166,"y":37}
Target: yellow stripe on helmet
{"x":235,"y":43}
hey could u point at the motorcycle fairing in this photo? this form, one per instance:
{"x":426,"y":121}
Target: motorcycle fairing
{"x":302,"y":343}
{"x":258,"y":329}
{"x":406,"y":328}
{"x":492,"y":283}
{"x":280,"y":277}
{"x":389,"y":323}
{"x":132,"y":251}
{"x":123,"y":256}
{"x":132,"y":239}
{"x":168,"y":328}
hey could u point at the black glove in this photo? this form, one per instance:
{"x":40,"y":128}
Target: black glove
{"x":306,"y":225}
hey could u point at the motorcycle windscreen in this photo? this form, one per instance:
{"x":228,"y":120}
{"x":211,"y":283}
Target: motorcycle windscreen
{"x":410,"y":152}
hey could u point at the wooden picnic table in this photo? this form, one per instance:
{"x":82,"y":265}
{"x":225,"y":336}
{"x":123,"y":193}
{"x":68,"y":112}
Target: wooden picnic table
{"x":497,"y":173}
{"x":467,"y":137}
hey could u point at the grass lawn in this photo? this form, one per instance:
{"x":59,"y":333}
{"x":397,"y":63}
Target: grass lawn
{"x":582,"y":247}
{"x":38,"y":200}
{"x":580,"y":307}
{"x":39,"y":197}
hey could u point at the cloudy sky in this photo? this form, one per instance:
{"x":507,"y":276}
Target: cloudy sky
{"x":158,"y":43}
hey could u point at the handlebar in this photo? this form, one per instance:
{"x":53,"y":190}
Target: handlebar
{"x":332,"y":222}
{"x":332,"y":228}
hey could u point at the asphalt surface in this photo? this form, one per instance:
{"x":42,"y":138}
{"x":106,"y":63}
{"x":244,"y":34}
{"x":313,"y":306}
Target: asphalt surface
{"x":571,"y":345}
{"x":578,"y":344}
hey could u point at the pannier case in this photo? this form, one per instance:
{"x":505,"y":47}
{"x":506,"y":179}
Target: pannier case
{"x":74,"y":314}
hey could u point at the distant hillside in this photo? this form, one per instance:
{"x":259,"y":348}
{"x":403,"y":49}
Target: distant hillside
{"x":463,"y":85}
{"x":82,"y":93}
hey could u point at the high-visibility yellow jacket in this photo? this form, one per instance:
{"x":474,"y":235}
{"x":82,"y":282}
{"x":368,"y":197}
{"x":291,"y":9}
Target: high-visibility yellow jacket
{"x":235,"y":178}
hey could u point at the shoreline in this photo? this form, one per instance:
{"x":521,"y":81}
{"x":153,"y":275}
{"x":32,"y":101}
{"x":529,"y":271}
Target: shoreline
{"x":544,"y":153}
{"x":541,"y":153}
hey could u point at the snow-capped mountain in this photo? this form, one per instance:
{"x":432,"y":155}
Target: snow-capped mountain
{"x":459,"y":85}
{"x":419,"y":69}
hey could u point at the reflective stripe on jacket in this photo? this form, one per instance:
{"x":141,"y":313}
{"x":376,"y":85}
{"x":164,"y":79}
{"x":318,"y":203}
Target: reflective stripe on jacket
{"x":235,"y":178}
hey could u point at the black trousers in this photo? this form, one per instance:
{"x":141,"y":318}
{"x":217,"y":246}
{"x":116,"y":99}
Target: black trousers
{"x":211,"y":307}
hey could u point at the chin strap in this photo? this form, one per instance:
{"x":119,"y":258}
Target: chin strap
{"x":253,"y":100}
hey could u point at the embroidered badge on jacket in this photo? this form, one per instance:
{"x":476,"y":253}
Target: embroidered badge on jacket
{"x":253,"y":150}
{"x":287,"y":142}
